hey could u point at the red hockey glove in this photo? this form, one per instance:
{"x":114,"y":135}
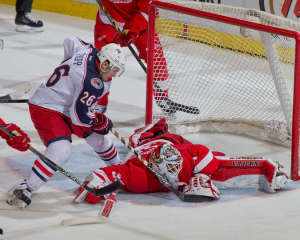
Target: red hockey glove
{"x":120,"y":39}
{"x":125,"y":38}
{"x":20,"y":141}
{"x":131,"y":31}
{"x":102,"y":124}
{"x":159,"y":128}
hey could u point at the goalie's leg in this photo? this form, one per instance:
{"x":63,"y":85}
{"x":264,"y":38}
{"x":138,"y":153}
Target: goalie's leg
{"x":271,"y":177}
{"x":160,"y":72}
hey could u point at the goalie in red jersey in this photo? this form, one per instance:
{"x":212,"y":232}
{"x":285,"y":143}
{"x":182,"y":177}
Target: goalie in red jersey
{"x":131,"y":16}
{"x":191,"y":168}
{"x":20,"y":141}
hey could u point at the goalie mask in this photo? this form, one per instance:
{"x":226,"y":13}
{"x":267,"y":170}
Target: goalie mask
{"x":115,"y":57}
{"x":169,"y":160}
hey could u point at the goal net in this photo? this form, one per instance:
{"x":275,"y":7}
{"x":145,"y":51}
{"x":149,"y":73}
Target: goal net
{"x":237,"y":66}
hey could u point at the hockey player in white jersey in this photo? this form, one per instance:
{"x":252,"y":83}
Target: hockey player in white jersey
{"x":65,"y":104}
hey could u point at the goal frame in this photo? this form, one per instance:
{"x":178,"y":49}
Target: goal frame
{"x":238,"y":22}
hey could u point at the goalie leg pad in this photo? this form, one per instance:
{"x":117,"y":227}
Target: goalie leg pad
{"x":201,"y":186}
{"x":273,"y":179}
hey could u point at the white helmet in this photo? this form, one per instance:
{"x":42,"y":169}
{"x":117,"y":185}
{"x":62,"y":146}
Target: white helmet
{"x":114,"y":54}
{"x":169,"y":160}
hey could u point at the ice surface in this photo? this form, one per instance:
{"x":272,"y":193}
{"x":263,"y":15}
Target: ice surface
{"x":241,"y":213}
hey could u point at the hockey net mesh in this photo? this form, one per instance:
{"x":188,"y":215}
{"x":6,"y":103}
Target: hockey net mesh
{"x":242,"y":80}
{"x":227,"y":72}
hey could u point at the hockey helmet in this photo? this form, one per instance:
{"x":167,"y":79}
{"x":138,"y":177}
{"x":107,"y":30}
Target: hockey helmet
{"x":169,"y":160}
{"x":114,"y":55}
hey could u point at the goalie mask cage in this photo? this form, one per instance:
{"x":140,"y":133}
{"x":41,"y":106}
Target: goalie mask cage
{"x":239,"y":66}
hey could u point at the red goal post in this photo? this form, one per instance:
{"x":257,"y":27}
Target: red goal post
{"x":192,"y":33}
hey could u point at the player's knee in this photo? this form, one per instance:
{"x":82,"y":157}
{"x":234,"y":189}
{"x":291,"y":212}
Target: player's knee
{"x":59,"y":151}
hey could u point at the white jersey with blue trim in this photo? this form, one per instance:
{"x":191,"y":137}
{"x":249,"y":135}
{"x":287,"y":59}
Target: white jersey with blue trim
{"x":75,"y":85}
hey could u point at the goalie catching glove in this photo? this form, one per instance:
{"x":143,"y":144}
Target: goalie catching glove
{"x":101,"y":124}
{"x":200,"y":185}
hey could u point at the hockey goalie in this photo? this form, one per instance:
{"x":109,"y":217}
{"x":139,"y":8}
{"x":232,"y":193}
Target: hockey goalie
{"x":191,"y":168}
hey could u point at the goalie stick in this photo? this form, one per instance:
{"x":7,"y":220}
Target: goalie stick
{"x":97,"y":192}
{"x":161,"y":178}
{"x":173,"y":105}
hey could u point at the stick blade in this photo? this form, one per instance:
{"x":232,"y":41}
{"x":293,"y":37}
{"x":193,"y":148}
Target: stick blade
{"x":20,"y":90}
{"x":197,"y":198}
{"x":15,"y":92}
{"x":83,"y":221}
{"x":107,"y":189}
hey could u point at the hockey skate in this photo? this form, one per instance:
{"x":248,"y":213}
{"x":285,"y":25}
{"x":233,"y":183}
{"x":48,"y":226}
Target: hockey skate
{"x":19,"y":195}
{"x":26,"y":23}
{"x":279,"y":180}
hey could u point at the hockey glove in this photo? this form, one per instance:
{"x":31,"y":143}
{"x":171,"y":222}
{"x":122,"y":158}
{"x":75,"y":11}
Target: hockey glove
{"x":102,"y":124}
{"x":159,"y":128}
{"x":201,"y":185}
{"x":20,"y":141}
{"x":131,"y":31}
{"x":92,"y":181}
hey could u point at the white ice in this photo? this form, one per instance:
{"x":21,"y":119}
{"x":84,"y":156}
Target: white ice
{"x":242,"y":213}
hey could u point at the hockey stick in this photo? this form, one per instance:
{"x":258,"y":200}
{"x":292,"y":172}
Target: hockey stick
{"x":173,"y":105}
{"x":97,"y":192}
{"x":8,"y":100}
{"x":12,"y":95}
